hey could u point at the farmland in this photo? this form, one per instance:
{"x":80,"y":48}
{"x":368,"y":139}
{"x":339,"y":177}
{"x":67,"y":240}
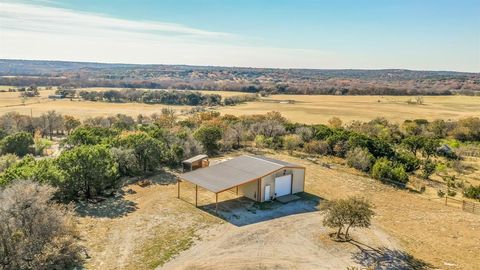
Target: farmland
{"x":319,"y":109}
{"x":309,"y":109}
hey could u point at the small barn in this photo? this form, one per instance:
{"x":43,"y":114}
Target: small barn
{"x":256,"y":177}
{"x":195,"y":162}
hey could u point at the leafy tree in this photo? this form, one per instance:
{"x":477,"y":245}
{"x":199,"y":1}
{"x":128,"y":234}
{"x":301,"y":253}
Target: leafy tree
{"x":209,"y":136}
{"x":18,"y":143}
{"x":90,"y":135}
{"x":413,"y":143}
{"x":36,"y":232}
{"x":430,"y":146}
{"x":70,"y":123}
{"x":428,"y":168}
{"x":127,"y":161}
{"x":88,"y":170}
{"x":148,"y":151}
{"x":348,"y":213}
{"x":409,"y":161}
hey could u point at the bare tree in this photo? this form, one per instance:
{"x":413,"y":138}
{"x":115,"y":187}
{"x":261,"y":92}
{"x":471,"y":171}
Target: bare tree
{"x":36,"y":232}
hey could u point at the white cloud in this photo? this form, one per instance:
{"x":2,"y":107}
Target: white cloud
{"x":32,"y":31}
{"x":39,"y":32}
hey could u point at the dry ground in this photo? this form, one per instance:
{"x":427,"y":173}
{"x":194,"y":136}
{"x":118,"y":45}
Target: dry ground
{"x":319,"y":109}
{"x":150,"y":227}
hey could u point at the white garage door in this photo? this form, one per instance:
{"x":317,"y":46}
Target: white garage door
{"x":283,"y":185}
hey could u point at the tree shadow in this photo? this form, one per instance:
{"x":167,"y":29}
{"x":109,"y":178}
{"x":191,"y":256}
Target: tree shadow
{"x":384,"y":258}
{"x":164,"y":178}
{"x":113,"y":207}
{"x":243,"y":211}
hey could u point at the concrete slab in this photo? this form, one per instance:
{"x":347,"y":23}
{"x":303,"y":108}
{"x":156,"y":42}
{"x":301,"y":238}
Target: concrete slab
{"x":288,"y":198}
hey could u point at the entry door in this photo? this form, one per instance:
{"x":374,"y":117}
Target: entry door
{"x":267,"y":193}
{"x":283,"y":185}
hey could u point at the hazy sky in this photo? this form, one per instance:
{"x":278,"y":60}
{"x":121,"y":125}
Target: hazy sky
{"x":412,"y":34}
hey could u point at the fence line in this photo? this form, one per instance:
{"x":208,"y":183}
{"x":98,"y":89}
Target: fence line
{"x":466,"y":206}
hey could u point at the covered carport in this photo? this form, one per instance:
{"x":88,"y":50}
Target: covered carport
{"x":245,"y":173}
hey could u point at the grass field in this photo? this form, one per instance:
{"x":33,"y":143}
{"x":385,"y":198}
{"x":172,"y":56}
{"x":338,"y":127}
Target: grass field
{"x":319,"y":109}
{"x":297,"y":108}
{"x":11,"y":101}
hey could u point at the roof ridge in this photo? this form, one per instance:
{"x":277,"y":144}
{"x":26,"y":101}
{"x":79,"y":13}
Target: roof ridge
{"x":282,"y":165}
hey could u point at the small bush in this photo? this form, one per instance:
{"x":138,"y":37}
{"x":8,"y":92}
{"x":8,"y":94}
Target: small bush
{"x":360,"y":159}
{"x":340,"y":149}
{"x":317,"y":147}
{"x":384,"y":169}
{"x":6,"y":161}
{"x":472,"y":192}
{"x":291,"y":142}
{"x":451,"y":193}
{"x":440,"y":193}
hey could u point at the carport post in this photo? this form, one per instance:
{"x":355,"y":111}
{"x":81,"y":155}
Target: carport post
{"x":216,"y":203}
{"x":196,"y":195}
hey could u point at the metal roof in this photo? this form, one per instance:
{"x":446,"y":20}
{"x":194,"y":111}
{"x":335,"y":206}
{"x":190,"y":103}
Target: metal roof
{"x":195,"y":158}
{"x":234,"y":172}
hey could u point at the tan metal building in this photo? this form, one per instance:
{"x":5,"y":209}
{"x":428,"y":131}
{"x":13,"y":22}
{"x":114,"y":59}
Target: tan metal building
{"x":256,"y":177}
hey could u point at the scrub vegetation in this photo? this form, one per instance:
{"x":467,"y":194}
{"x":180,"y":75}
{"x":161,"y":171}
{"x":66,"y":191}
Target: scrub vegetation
{"x":97,"y":156}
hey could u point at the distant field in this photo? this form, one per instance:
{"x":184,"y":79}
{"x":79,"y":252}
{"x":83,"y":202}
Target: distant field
{"x":318,"y":109}
{"x":304,"y":109}
{"x":11,"y":101}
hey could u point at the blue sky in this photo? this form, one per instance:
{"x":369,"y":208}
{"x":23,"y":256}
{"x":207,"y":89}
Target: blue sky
{"x":421,"y":34}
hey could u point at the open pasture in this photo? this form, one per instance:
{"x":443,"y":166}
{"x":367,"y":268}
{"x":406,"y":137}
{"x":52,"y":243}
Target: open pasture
{"x":308,"y":109}
{"x":311,"y":109}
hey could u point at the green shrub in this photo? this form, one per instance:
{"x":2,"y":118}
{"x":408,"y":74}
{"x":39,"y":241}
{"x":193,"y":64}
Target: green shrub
{"x":88,"y":170}
{"x":472,"y":192}
{"x":385,"y":170}
{"x":209,"y":136}
{"x":409,"y":161}
{"x":18,"y":144}
{"x":428,"y":168}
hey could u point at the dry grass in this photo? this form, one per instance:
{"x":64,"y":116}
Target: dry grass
{"x":11,"y":101}
{"x":304,"y":109}
{"x":428,"y":230}
{"x":159,"y":226}
{"x":143,"y":229}
{"x":319,"y":109}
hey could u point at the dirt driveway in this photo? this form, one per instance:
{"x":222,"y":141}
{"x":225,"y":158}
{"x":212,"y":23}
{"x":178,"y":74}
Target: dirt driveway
{"x":280,"y":236}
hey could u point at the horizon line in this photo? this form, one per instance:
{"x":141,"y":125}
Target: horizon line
{"x":246,"y":67}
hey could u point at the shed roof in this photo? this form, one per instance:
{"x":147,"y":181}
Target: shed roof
{"x":234,"y":172}
{"x":195,"y":158}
